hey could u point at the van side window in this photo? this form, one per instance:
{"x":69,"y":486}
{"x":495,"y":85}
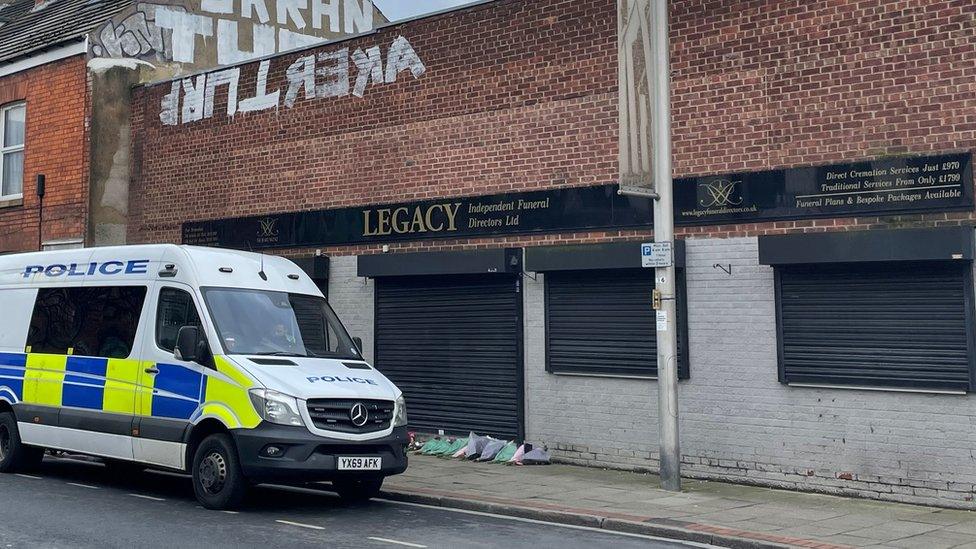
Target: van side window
{"x":176,"y":310}
{"x":96,"y":322}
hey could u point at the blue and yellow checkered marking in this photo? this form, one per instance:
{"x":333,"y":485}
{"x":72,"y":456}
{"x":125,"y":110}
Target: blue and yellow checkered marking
{"x":177,"y":393}
{"x":84,"y":383}
{"x":115,"y":386}
{"x":12,"y":369}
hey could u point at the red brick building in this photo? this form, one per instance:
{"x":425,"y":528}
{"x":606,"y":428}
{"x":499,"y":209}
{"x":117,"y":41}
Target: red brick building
{"x":44,"y":111}
{"x":823,"y":156}
{"x":68,"y":118}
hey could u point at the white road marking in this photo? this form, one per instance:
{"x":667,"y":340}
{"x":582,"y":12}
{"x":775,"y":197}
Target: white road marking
{"x":323,"y":492}
{"x":84,"y":486}
{"x":403,"y":543}
{"x":300,"y":525}
{"x":28,"y":476}
{"x":230,"y":512}
{"x":555,"y":524}
{"x":147,"y":497}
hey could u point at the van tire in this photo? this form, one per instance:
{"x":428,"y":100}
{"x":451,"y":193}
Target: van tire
{"x":358,"y":490}
{"x":14,"y":455}
{"x":218,"y":481}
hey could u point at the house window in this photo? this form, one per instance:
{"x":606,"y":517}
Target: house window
{"x":12,"y":123}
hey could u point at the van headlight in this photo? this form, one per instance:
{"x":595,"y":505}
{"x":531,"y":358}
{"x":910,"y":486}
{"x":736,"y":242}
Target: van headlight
{"x":400,"y":412}
{"x":277,"y":408}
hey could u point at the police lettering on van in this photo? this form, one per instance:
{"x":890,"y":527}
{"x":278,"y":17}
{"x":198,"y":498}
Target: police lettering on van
{"x":132,"y":267}
{"x":227,"y":365}
{"x":330,"y":379}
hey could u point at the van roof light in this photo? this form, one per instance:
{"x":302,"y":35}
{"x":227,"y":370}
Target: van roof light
{"x":294,"y":276}
{"x":168,"y":271}
{"x":226,"y":270}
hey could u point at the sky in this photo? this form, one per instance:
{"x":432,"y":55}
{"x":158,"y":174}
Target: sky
{"x":404,"y":9}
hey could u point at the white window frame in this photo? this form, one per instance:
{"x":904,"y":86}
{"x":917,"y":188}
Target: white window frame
{"x":4,"y":150}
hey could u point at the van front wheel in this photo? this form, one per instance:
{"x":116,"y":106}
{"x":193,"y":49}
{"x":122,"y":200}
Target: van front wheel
{"x":14,"y":456}
{"x":217,"y":478}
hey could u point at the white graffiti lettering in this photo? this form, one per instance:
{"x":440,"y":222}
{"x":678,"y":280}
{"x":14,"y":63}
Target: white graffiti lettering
{"x":262,"y":100}
{"x":325,"y":8}
{"x":170,"y":113}
{"x":370,"y":66}
{"x":193,"y":95}
{"x":292,"y":9}
{"x":228,"y":77}
{"x":326,"y":75}
{"x":184,"y":27}
{"x":335,"y":72}
{"x":403,"y":57}
{"x":174,"y":32}
{"x":137,"y":35}
{"x":249,"y":7}
{"x":227,"y":40}
{"x":301,"y":74}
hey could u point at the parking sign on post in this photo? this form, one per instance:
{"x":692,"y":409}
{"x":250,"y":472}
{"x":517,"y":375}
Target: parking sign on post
{"x":657,"y":255}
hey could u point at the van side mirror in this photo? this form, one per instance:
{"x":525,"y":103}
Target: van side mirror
{"x":190,"y":345}
{"x":358,"y":342}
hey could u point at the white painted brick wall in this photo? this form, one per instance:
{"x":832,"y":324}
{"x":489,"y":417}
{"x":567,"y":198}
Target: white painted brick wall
{"x":737,"y":421}
{"x":352,"y":298}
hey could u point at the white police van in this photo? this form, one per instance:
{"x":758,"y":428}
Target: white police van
{"x":228,"y":365}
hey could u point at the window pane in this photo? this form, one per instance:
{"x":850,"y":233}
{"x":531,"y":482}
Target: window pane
{"x":13,"y":174}
{"x":176,"y":310}
{"x":256,"y":322}
{"x":95,"y":322}
{"x":13,"y":127}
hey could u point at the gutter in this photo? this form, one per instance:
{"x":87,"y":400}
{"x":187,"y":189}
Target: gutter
{"x":43,"y":56}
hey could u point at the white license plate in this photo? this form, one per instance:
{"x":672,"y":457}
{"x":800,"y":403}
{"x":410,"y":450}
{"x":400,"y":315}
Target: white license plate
{"x":360,"y":463}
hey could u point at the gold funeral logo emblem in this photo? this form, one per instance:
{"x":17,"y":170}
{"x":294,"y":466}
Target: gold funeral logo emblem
{"x":720,"y":193}
{"x":268,"y":228}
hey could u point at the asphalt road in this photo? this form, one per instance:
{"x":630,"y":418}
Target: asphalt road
{"x":71,"y":503}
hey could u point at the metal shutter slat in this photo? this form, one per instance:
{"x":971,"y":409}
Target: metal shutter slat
{"x":452,"y":345}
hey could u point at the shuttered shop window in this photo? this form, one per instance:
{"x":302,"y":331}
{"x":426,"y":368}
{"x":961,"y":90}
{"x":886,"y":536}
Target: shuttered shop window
{"x":879,"y":325}
{"x":602,"y":323}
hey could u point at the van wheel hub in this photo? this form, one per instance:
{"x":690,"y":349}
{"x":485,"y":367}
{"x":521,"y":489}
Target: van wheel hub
{"x":213,"y":473}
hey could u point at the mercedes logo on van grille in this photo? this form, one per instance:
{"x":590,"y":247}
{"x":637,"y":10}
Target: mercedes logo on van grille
{"x":359,"y":414}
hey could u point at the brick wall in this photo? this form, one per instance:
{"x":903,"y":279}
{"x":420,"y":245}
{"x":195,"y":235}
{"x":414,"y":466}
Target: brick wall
{"x":352,"y":299}
{"x":522,"y":95}
{"x":56,"y":98}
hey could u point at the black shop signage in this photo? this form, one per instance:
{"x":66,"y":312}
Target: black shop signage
{"x":558,"y":210}
{"x":883,"y":187}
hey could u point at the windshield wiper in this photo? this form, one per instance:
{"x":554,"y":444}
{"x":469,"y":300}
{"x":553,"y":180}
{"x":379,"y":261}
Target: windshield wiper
{"x":280,"y":353}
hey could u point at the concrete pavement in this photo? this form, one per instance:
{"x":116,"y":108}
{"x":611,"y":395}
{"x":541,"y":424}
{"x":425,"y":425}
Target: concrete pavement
{"x":709,"y":512}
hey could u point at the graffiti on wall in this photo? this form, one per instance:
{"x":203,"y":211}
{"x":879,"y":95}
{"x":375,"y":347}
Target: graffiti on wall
{"x":330,"y":74}
{"x":171,"y":32}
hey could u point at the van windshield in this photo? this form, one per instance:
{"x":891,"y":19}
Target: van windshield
{"x":256,"y":322}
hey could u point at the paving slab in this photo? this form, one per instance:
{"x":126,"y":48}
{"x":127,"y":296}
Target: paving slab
{"x":724,"y":514}
{"x":894,"y":530}
{"x":933,"y":540}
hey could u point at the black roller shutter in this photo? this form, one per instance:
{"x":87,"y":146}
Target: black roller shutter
{"x":601,"y":322}
{"x":453,"y":345}
{"x":881,"y":325}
